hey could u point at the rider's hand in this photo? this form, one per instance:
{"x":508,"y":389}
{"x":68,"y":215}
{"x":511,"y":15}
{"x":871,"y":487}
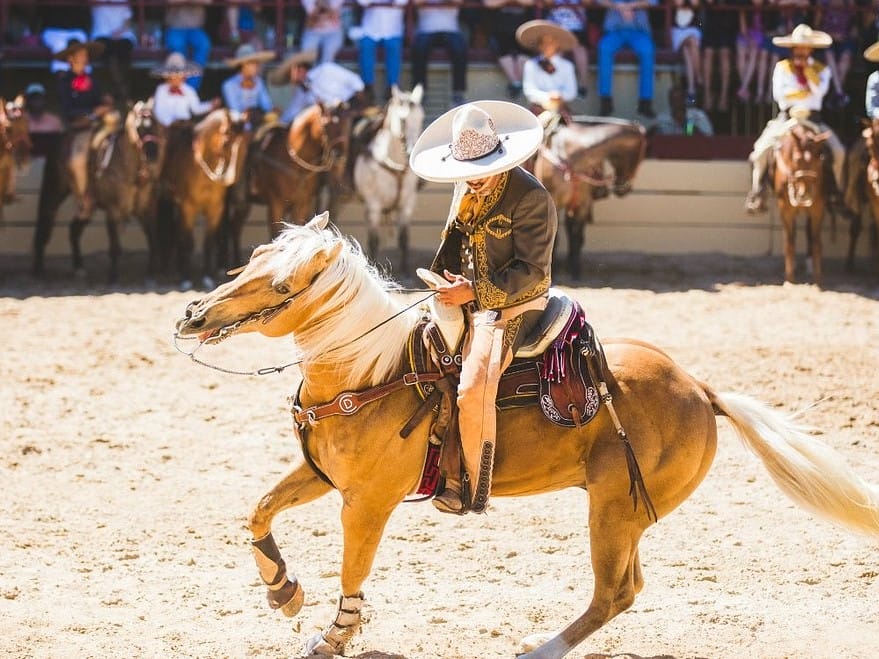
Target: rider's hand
{"x":216,"y":103}
{"x":459,"y":290}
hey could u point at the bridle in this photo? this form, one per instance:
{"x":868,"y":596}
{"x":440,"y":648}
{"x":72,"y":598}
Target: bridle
{"x":329,"y":155}
{"x":793,"y":177}
{"x":225,"y":171}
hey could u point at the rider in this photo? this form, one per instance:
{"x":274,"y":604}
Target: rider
{"x":799,"y":81}
{"x":858,"y":156}
{"x":246,"y":90}
{"x":549,"y":80}
{"x":496,"y":254}
{"x":81,"y":102}
{"x":175,"y":99}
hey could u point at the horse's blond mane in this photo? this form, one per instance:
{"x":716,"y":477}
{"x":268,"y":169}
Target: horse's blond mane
{"x":218,"y":116}
{"x":350,"y":299}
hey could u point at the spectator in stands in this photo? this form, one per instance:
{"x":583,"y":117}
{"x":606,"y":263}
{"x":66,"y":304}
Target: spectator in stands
{"x":381,"y":25}
{"x":438,"y":26}
{"x":571,"y":15}
{"x":838,"y":18}
{"x":751,"y":56}
{"x":185,"y":33}
{"x":174,"y":99}
{"x":505,"y":17}
{"x":323,"y":28}
{"x":797,"y":82}
{"x":682,"y":118}
{"x":626,"y":25}
{"x":111,"y":25}
{"x":39,"y":119}
{"x":686,"y":36}
{"x":549,"y":81}
{"x":328,"y":82}
{"x":718,"y":42}
{"x":81,"y":101}
{"x":241,"y":20}
{"x":246,"y":90}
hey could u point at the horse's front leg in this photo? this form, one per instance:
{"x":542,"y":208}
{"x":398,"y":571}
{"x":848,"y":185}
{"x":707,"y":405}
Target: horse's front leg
{"x":788,"y":220}
{"x":300,"y":486}
{"x":816,"y":247}
{"x":373,"y":224}
{"x":212,"y":236}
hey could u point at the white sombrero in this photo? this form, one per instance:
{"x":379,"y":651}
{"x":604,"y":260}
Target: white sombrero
{"x":281,"y":74}
{"x":176,"y":64}
{"x":804,"y":37}
{"x":476,"y":140}
{"x":530,"y":33}
{"x":872,"y":53}
{"x":247,"y":53}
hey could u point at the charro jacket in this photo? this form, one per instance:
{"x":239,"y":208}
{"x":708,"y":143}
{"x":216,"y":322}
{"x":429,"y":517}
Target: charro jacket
{"x":506,"y":249}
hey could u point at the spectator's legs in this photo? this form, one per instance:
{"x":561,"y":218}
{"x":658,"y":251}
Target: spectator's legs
{"x":581,"y":64}
{"x":331,"y":44}
{"x":725,"y":72}
{"x":642,"y":44}
{"x":311,"y":40}
{"x":708,"y":75}
{"x":512,"y":65}
{"x":393,"y":60}
{"x":608,"y":46}
{"x":421,"y":47}
{"x":693,"y":67}
{"x":366,"y":48}
{"x":175,"y":40}
{"x":200,"y":43}
{"x":117,"y":57}
{"x":457,"y":49}
{"x":746,"y":63}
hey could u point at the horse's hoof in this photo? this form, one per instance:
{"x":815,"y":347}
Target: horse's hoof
{"x":532,"y":642}
{"x":185,"y":285}
{"x":294,"y":605}
{"x":319,"y":646}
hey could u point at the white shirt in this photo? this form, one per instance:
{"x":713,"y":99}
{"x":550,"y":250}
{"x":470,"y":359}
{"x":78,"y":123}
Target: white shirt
{"x":537,"y":84}
{"x":437,"y":19}
{"x":382,"y":22}
{"x":325,"y":83}
{"x":106,"y":20}
{"x":168,"y":107}
{"x":788,"y":92}
{"x":872,"y":100}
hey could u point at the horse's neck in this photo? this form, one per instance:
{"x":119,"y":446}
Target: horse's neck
{"x":304,"y":138}
{"x":387,"y":146}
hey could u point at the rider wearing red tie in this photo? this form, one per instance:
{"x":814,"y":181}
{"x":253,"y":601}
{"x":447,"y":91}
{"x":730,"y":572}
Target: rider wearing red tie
{"x":174,"y":99}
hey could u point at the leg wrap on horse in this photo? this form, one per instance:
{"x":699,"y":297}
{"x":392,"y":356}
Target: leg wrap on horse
{"x":284,"y":593}
{"x":335,"y":637}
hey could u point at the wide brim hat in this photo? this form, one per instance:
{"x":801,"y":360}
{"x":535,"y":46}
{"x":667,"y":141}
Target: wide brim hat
{"x":872,"y":53}
{"x":512,"y":136}
{"x":803,"y":37}
{"x":247,"y":53}
{"x":281,"y":74}
{"x":530,"y":33}
{"x":176,"y":64}
{"x":94,"y":48}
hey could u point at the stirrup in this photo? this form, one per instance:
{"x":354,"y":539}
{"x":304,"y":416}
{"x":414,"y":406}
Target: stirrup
{"x":450,"y":501}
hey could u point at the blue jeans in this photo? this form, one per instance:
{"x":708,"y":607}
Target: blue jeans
{"x":193,"y":42}
{"x":454,"y":44}
{"x":366,"y":48}
{"x":639,"y":41}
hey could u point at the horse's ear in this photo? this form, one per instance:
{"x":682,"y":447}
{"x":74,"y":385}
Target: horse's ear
{"x":332,"y":253}
{"x":823,"y":136}
{"x":417,"y":94}
{"x":319,"y":222}
{"x":19,"y":101}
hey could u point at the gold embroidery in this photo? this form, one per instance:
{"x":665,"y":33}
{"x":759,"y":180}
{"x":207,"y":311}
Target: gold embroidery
{"x":512,"y":329}
{"x":499,"y":226}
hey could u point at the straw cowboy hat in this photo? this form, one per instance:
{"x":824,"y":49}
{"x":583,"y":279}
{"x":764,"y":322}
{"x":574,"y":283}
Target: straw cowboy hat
{"x":94,"y":48}
{"x":475,"y":141}
{"x":281,"y":74}
{"x":176,"y":64}
{"x":530,"y":33}
{"x":247,"y":53}
{"x":804,"y":37}
{"x":872,"y":53}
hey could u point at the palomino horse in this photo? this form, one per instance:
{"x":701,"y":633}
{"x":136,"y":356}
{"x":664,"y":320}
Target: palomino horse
{"x":287,"y":166}
{"x":798,"y":184}
{"x":351,"y":332}
{"x":382,"y":176}
{"x":863,"y":173}
{"x":571,"y":166}
{"x":124,"y":169}
{"x":202,"y":162}
{"x":15,"y":147}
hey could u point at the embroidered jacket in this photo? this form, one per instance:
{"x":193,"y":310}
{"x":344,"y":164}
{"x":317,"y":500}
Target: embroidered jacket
{"x":78,"y":95}
{"x":506,"y":249}
{"x":790,"y":90}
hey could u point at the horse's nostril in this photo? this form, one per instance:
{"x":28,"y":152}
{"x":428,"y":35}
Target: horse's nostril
{"x":197,"y":323}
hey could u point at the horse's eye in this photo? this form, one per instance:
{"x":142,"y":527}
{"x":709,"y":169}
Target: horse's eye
{"x":282,"y":289}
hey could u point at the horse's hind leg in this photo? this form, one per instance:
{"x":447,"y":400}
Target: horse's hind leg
{"x":299,"y":487}
{"x":788,"y":220}
{"x":614,"y":537}
{"x":77,"y":226}
{"x":816,"y":247}
{"x":115,"y":247}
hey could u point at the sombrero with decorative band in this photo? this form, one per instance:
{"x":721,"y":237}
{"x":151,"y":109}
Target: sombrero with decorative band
{"x":247,"y":53}
{"x":281,"y":75}
{"x":475,"y":141}
{"x":872,"y":53}
{"x":530,"y":33}
{"x":94,"y":48}
{"x":804,"y":37}
{"x":176,"y":64}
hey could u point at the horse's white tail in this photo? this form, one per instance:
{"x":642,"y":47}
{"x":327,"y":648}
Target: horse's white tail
{"x":806,"y":470}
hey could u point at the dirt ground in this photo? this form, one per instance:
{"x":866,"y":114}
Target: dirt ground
{"x":128,"y":474}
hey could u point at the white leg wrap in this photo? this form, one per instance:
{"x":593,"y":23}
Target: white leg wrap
{"x":335,"y":637}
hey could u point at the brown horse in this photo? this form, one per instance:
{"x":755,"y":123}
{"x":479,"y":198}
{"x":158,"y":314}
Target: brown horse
{"x":124,"y":169}
{"x":863,"y":190}
{"x":798,"y":183}
{"x":15,"y":147}
{"x":202,"y":161}
{"x":571,"y":166}
{"x":351,"y":333}
{"x":286,"y":167}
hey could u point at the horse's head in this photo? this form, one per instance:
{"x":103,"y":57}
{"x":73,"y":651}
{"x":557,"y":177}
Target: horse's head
{"x":271,"y":293}
{"x":145,"y":133}
{"x":335,"y":127}
{"x":585,"y":148}
{"x":799,"y":160}
{"x":14,"y":130}
{"x":626,"y":155}
{"x":404,"y":116}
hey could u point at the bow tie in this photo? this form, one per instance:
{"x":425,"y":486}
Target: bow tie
{"x":546,"y":65}
{"x":81,"y":83}
{"x":175,"y":91}
{"x":247,"y":83}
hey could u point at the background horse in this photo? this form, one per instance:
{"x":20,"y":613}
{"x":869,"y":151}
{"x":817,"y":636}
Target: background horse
{"x":202,"y":162}
{"x":124,"y":168}
{"x":798,"y":183}
{"x":352,"y":332}
{"x":382,"y":176}
{"x":286,"y":167}
{"x":863,"y":174}
{"x":15,"y":147}
{"x":571,"y":166}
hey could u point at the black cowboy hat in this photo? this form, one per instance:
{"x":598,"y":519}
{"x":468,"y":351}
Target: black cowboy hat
{"x":94,"y":48}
